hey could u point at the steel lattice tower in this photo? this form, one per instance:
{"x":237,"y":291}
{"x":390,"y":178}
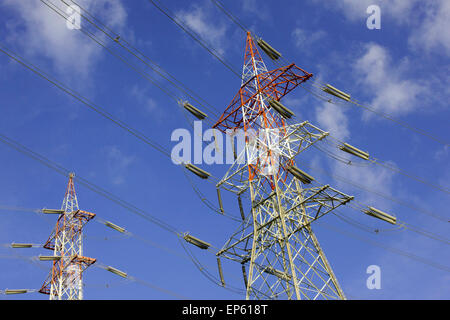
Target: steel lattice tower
{"x":66,"y":241}
{"x":275,"y":242}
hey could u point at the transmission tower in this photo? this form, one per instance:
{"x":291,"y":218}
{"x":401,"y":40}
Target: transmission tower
{"x":280,"y":255}
{"x":66,"y":241}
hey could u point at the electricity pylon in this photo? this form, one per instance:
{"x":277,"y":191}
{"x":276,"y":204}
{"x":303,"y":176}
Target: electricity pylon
{"x":275,"y":241}
{"x":66,"y":241}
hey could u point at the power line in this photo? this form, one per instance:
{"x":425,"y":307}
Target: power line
{"x":404,"y":225}
{"x":409,"y":175}
{"x":425,"y":233}
{"x":94,"y":188}
{"x":353,"y":222}
{"x":235,"y":20}
{"x":230,"y":15}
{"x":387,"y":248}
{"x":206,"y":273}
{"x":85,"y":101}
{"x":189,"y":255}
{"x":398,"y":170}
{"x":144,"y":282}
{"x":125,"y":232}
{"x":361,"y":207}
{"x":29,"y":245}
{"x":89,"y":104}
{"x":194,"y":36}
{"x":17,"y":291}
{"x":141,"y":73}
{"x":31,"y":260}
{"x":384,"y":164}
{"x":400,"y":227}
{"x":374,"y":111}
{"x":208,"y":203}
{"x":100,"y":43}
{"x":378,"y":193}
{"x":401,"y":123}
{"x":113,"y":36}
{"x":156,"y":67}
{"x":98,"y":110}
{"x":196,"y":190}
{"x":102,"y":192}
{"x":20,"y":209}
{"x":339,"y":158}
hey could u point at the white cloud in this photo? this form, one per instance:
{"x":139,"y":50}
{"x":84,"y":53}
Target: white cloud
{"x":374,"y":178}
{"x":353,"y":9}
{"x":306,"y":39}
{"x":442,"y":153}
{"x":142,"y":97}
{"x":117,"y":164}
{"x":43,"y":33}
{"x":333,"y":119}
{"x":199,"y":21}
{"x":433,"y":33}
{"x":295,"y":104}
{"x":392,"y":92}
{"x":399,"y":10}
{"x":256,"y":8}
{"x":428,"y":21}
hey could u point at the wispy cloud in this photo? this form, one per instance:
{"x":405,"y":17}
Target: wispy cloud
{"x":333,"y":119}
{"x":145,"y":104}
{"x":256,"y":8}
{"x":354,"y":10}
{"x":43,"y":33}
{"x":442,"y":153}
{"x":432,"y":34}
{"x":117,"y":164}
{"x":386,"y":82}
{"x":306,"y":40}
{"x":201,"y":21}
{"x":141,"y":95}
{"x":373,"y":178}
{"x":427,"y":20}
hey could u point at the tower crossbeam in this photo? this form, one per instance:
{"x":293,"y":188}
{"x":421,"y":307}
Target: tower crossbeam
{"x":64,"y":281}
{"x":275,"y":241}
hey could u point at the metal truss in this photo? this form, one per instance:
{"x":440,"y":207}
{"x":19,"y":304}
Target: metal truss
{"x":280,"y":256}
{"x":66,"y":241}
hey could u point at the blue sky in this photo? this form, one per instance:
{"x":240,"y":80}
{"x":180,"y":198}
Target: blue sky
{"x":401,"y":69}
